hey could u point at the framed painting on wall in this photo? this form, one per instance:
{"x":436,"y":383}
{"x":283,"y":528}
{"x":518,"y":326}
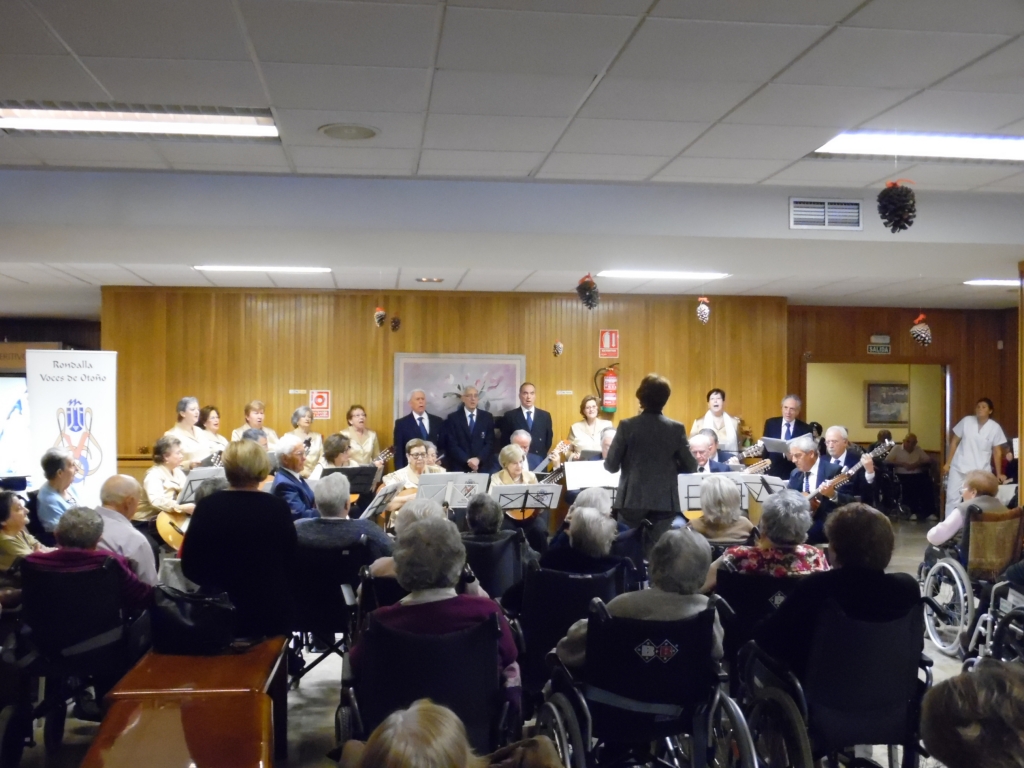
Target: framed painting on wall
{"x":887,"y":404}
{"x":444,"y":377}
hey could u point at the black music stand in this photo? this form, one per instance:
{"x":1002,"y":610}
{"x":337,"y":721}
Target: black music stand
{"x":520,"y":498}
{"x":381,"y":501}
{"x":360,"y":479}
{"x":195,"y":479}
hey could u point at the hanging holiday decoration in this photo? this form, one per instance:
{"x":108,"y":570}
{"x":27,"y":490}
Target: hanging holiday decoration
{"x":897,"y":206}
{"x":559,"y":348}
{"x":703,"y":309}
{"x":587,"y":291}
{"x":380,"y":316}
{"x":396,"y":323}
{"x":921,"y":331}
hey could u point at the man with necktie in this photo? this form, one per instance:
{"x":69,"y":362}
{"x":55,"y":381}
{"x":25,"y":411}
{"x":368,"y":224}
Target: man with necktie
{"x":469,"y":435}
{"x":785,"y":427}
{"x":530,"y":418}
{"x":416,"y":425}
{"x":840,"y":453}
{"x":809,"y":474}
{"x":288,"y":482}
{"x":700,"y":449}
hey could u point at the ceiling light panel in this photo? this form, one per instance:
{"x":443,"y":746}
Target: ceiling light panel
{"x":661,"y":274}
{"x":992,"y":283}
{"x":83,"y":121}
{"x":959,"y":147}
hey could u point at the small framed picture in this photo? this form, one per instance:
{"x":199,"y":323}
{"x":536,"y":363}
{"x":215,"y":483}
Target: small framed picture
{"x":887,"y":404}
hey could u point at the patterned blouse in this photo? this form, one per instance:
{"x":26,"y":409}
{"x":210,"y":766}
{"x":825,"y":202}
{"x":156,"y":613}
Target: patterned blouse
{"x":797,"y":560}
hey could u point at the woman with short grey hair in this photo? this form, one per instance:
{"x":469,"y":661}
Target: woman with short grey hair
{"x":429,"y":556}
{"x":721,"y":521}
{"x":79,"y":528}
{"x":483,"y":515}
{"x":678,"y":566}
{"x":785,"y":520}
{"x":597,"y":498}
{"x":195,"y":443}
{"x":591,"y":532}
{"x":57,"y":495}
{"x":302,"y":420}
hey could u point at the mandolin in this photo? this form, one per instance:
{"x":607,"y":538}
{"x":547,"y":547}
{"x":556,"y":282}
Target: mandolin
{"x":561,"y":450}
{"x":757,"y":469}
{"x":815,"y":499}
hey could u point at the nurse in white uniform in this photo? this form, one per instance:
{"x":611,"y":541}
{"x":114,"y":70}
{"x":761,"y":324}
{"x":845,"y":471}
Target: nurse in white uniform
{"x":977,"y":444}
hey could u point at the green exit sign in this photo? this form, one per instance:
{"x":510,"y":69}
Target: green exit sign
{"x":879,"y":349}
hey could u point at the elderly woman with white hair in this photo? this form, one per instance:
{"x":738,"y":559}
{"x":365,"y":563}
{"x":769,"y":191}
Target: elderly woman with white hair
{"x":785,"y":520}
{"x":678,"y":566}
{"x":302,"y":421}
{"x":429,"y":559}
{"x":721,"y":521}
{"x":597,"y":498}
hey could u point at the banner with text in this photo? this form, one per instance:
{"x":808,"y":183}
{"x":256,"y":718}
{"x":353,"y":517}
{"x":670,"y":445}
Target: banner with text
{"x":73,"y":396}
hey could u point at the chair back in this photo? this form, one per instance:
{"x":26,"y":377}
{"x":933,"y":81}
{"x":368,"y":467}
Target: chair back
{"x":319,"y":573}
{"x":76,"y":617}
{"x":552,"y":602}
{"x":645,"y":679}
{"x":497,"y":564}
{"x":752,"y":597}
{"x":35,"y":525}
{"x":378,"y":592}
{"x":992,"y":541}
{"x":861,"y":681}
{"x":718,"y":546}
{"x":630,"y":545}
{"x":458,"y":670}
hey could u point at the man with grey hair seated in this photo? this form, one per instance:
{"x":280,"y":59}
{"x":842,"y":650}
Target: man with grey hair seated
{"x":289,"y":484}
{"x":120,"y":496}
{"x":333,"y":529}
{"x":678,"y":567}
{"x":722,"y":457}
{"x":811,"y":474}
{"x":781,"y":551}
{"x":78,"y":533}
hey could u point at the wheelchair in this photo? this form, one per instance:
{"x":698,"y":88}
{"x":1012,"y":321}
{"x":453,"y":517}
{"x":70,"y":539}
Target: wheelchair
{"x":862,"y":686}
{"x":650,"y":694}
{"x":957,"y":576}
{"x":999,"y":631}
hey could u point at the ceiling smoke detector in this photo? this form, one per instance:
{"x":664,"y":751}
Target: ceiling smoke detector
{"x":348,"y":131}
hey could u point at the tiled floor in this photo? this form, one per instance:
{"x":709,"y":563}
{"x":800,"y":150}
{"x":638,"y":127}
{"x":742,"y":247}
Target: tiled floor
{"x":311,"y":707}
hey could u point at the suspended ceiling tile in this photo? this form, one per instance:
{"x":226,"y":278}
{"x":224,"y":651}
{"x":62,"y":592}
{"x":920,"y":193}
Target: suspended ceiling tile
{"x":601,"y":7}
{"x":240,"y":279}
{"x":938,"y":111}
{"x":365,"y":278}
{"x":554,"y":281}
{"x":189,"y":83}
{"x":825,"y":12}
{"x":487,"y":279}
{"x":628,"y":137}
{"x":565,"y":165}
{"x":37,"y":274}
{"x":838,"y":172}
{"x":444,"y":162}
{"x":999,"y":72}
{"x":13,"y":153}
{"x":355,"y":160}
{"x":760,"y":142}
{"x":815,"y":105}
{"x":960,"y":175}
{"x":222,"y":154}
{"x":684,"y":168}
{"x":490,"y":133}
{"x":996,"y":16}
{"x":318,"y":280}
{"x":396,"y":130}
{"x":628,"y":98}
{"x":1013,"y":183}
{"x":506,"y":93}
{"x":332,"y":87}
{"x":46,"y":78}
{"x":21,"y":31}
{"x":169,"y":274}
{"x":91,"y":152}
{"x":407,"y":280}
{"x":99,"y":274}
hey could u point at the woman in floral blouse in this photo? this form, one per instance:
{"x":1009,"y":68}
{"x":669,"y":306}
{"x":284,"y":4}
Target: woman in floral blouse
{"x":785,"y":520}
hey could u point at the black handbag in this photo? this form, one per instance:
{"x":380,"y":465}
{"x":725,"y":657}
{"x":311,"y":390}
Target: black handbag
{"x":192,"y":623}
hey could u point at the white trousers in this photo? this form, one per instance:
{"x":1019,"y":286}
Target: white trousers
{"x":954,"y":481}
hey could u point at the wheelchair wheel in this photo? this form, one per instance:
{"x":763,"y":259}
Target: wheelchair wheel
{"x":556,"y":719}
{"x":948,"y":585}
{"x":733,"y":745}
{"x":901,"y":757}
{"x":343,"y":726}
{"x":778,"y":731}
{"x":15,"y":728}
{"x":1008,"y":638}
{"x":53,"y":727}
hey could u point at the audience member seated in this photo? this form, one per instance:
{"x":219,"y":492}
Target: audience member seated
{"x":979,"y":489}
{"x":598,"y":498}
{"x":910,"y":464}
{"x":785,"y":520}
{"x":722,"y":522}
{"x":484,"y":518}
{"x":289,"y":485}
{"x":333,"y":528}
{"x":861,"y":542}
{"x":417,"y":509}
{"x":976,"y":720}
{"x":120,"y":496}
{"x":678,"y":568}
{"x":210,"y":486}
{"x":15,"y":541}
{"x":429,"y":558}
{"x":163,"y":481}
{"x":78,"y":533}
{"x":56,"y":496}
{"x":243,"y":541}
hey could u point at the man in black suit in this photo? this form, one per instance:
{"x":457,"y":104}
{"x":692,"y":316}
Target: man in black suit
{"x":717,"y":456}
{"x":701,"y":450}
{"x":785,"y":427}
{"x":469,"y":435}
{"x":845,"y":456}
{"x":288,"y":483}
{"x":810,"y":474}
{"x":530,"y":418}
{"x":418,"y":424}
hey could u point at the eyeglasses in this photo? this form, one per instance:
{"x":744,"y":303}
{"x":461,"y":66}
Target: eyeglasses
{"x":417,"y":455}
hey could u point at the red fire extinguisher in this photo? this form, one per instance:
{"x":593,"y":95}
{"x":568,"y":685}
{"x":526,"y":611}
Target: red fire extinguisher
{"x":609,"y":387}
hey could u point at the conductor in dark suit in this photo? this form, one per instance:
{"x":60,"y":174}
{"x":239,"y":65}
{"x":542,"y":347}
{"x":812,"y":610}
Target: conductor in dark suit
{"x":288,"y":483}
{"x":418,"y":424}
{"x":651,"y":451}
{"x":531,"y":419}
{"x":469,"y":435}
{"x":810,"y":473}
{"x":785,"y":427}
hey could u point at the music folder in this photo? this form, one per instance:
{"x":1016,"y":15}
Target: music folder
{"x":775,"y":445}
{"x":360,"y":479}
{"x":452,"y":489}
{"x":195,"y":479}
{"x":589,"y":474}
{"x":381,"y":500}
{"x":523,"y":497}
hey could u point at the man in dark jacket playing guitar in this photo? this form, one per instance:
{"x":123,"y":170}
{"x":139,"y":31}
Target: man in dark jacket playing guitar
{"x":811,"y":477}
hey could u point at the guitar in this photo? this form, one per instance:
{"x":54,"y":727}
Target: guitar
{"x":384,"y":455}
{"x":815,"y":499}
{"x":172,"y":527}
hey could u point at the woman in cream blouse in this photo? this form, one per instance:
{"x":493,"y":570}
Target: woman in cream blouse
{"x":512,"y":472}
{"x":163,"y":481}
{"x":302,"y":420}
{"x":365,"y":447}
{"x":194,"y":444}
{"x":586,"y":435}
{"x":209,"y":422}
{"x":254,"y":417}
{"x":726,"y":427}
{"x":337,"y":453}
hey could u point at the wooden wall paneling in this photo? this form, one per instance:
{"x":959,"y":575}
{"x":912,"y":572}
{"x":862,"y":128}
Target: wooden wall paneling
{"x":73,"y":334}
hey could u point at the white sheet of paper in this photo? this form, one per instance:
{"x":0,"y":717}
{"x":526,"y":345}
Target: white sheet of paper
{"x":775,"y":445}
{"x":589,"y":474}
{"x":542,"y":495}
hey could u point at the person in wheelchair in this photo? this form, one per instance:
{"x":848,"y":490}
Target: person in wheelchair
{"x":15,"y":540}
{"x":429,"y":557}
{"x":678,"y":567}
{"x":598,"y":498}
{"x":977,"y":718}
{"x":721,"y":522}
{"x":781,"y":551}
{"x":484,"y":518}
{"x":411,"y":511}
{"x":979,"y":489}
{"x":861,"y":542}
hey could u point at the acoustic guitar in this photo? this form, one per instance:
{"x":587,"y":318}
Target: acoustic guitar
{"x":172,"y":527}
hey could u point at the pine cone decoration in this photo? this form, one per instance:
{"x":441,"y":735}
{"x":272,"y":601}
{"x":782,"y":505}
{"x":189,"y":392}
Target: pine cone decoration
{"x":396,"y":323}
{"x":559,"y":348}
{"x":921,"y":331}
{"x":897,"y":206}
{"x":703,"y":309}
{"x":587,"y":291}
{"x":380,"y":316}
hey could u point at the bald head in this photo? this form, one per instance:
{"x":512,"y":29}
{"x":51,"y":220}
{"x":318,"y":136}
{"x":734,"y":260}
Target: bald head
{"x":121,"y":493}
{"x":700,"y":449}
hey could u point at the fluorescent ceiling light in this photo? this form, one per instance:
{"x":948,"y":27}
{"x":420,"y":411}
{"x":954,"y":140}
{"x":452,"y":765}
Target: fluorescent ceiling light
{"x":95,"y":121}
{"x":926,"y":145}
{"x":227,"y":268}
{"x":989,"y":282}
{"x":644,"y":274}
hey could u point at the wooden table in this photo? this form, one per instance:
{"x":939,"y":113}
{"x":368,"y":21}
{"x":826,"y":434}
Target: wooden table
{"x":220,"y":730}
{"x":260,"y":670}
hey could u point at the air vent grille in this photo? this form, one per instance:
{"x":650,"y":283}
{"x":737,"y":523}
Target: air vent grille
{"x":806,"y":213}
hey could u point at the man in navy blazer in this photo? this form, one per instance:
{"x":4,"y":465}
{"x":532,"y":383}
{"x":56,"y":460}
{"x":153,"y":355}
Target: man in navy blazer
{"x":534,"y":463}
{"x":288,"y":483}
{"x":418,"y":424}
{"x":810,"y":473}
{"x":530,"y":418}
{"x":469,"y":435}
{"x":785,"y":427}
{"x":845,"y":456}
{"x":701,"y":449}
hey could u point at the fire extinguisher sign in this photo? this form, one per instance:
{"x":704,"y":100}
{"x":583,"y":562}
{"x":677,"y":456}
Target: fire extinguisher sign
{"x":608,"y":345}
{"x":320,"y":402}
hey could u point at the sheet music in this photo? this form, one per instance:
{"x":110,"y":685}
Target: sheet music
{"x":381,"y":500}
{"x":775,"y":445}
{"x":195,"y":479}
{"x":452,"y":488}
{"x":750,"y":485}
{"x":534,"y":496}
{"x":589,"y":474}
